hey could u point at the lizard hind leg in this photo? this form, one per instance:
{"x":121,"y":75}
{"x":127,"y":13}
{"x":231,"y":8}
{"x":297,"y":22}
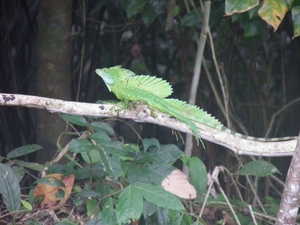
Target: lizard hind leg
{"x":194,"y":130}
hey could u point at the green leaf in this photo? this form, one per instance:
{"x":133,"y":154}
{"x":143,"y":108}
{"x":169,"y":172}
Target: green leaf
{"x":111,"y":162}
{"x":191,"y":19}
{"x":85,"y":172}
{"x":198,"y":175}
{"x":164,"y":154}
{"x":162,"y":216}
{"x":108,"y":212}
{"x":103,"y":127}
{"x":272,"y":205}
{"x":134,"y":7}
{"x":258,"y":168}
{"x":175,"y":9}
{"x":234,"y":6}
{"x":52,"y":181}
{"x":24,"y":150}
{"x":158,"y":172}
{"x":149,"y":209}
{"x":91,"y":157}
{"x":92,"y":207}
{"x":96,"y":220}
{"x":158,"y":196}
{"x":200,"y":221}
{"x":149,"y":15}
{"x":100,"y":136}
{"x":27,"y":205}
{"x":178,"y":218}
{"x":80,"y":145}
{"x":74,"y":119}
{"x":253,"y":27}
{"x":137,"y":175}
{"x":87,"y":194}
{"x":150,"y":142}
{"x":296,"y":20}
{"x":129,"y":206}
{"x":9,"y":188}
{"x":30,"y":165}
{"x":19,"y":172}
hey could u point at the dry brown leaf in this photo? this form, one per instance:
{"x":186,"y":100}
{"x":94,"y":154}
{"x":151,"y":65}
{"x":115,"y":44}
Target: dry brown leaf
{"x":49,"y":192}
{"x":227,"y":219}
{"x":178,"y":184}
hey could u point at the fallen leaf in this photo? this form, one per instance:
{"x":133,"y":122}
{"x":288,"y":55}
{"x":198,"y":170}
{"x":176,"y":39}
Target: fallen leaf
{"x":178,"y":184}
{"x":52,"y":195}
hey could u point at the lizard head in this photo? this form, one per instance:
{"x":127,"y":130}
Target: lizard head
{"x":113,"y":74}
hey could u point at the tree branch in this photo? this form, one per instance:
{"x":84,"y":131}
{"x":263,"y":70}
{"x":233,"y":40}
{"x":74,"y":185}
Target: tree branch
{"x":143,"y":113}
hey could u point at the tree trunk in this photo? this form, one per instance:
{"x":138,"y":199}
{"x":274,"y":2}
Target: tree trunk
{"x":53,"y":70}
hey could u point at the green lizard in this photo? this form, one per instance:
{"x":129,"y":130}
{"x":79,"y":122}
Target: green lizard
{"x":127,"y":86}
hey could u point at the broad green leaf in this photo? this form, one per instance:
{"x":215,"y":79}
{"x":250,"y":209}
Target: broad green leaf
{"x":164,"y":154}
{"x":52,"y":181}
{"x":27,"y":205}
{"x":103,"y":127}
{"x":296,"y":20}
{"x":158,"y":196}
{"x":198,"y":175}
{"x":96,"y":169}
{"x":178,"y":218}
{"x":253,"y":27}
{"x":96,"y":220}
{"x":273,"y":12}
{"x":244,"y":219}
{"x":64,"y":222}
{"x":108,"y":212}
{"x":175,"y":9}
{"x":116,"y":167}
{"x":9,"y":188}
{"x":151,"y":142}
{"x":100,"y":136}
{"x":115,"y":148}
{"x":24,"y":150}
{"x":137,"y":175}
{"x":91,"y":157}
{"x":111,"y":162}
{"x":191,"y":19}
{"x":149,"y":209}
{"x":19,"y":172}
{"x":80,"y":145}
{"x":200,"y":221}
{"x":149,"y":15}
{"x":162,"y":216}
{"x":87,"y":194}
{"x":30,"y":165}
{"x":272,"y":205}
{"x":129,"y":206}
{"x":258,"y":168}
{"x":92,"y":207}
{"x":158,"y":172}
{"x":134,"y":7}
{"x":239,"y":6}
{"x":74,"y":119}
